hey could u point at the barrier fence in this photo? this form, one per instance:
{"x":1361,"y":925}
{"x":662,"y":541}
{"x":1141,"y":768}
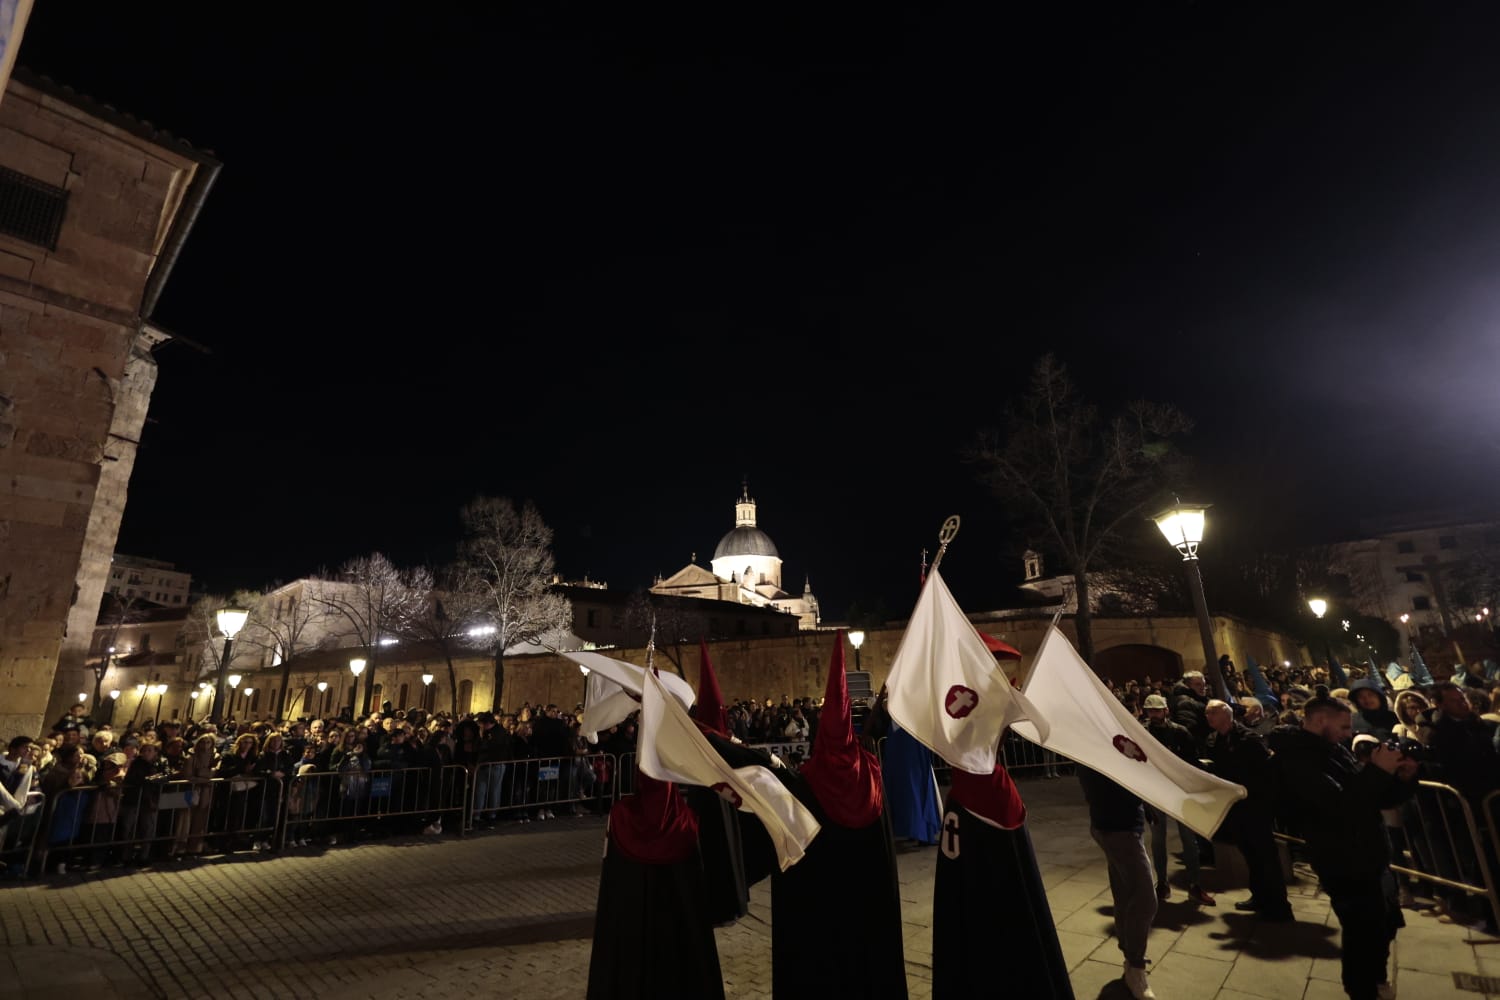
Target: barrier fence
{"x":1441,"y":842}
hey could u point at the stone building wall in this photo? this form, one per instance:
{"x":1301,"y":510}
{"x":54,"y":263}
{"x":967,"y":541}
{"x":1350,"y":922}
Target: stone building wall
{"x":75,"y":369}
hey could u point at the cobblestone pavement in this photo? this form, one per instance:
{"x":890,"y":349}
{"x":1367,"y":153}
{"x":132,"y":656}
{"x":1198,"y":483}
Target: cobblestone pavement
{"x":510,"y":913}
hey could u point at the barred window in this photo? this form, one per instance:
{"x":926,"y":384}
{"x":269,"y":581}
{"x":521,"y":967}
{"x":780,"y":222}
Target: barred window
{"x":31,"y":210}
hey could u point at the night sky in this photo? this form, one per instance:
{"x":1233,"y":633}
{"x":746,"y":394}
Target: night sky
{"x":613,"y":264}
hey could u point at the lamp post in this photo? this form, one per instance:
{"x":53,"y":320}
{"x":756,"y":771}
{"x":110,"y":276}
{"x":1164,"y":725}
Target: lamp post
{"x":248,"y":693}
{"x":1319,"y":608}
{"x":230,"y":620}
{"x":160,"y":691}
{"x":140,"y":699}
{"x":426,"y":692}
{"x":857,"y":639}
{"x":356,"y":667}
{"x":234,"y":687}
{"x":1182,"y":525}
{"x":322,"y":690}
{"x":114,"y":701}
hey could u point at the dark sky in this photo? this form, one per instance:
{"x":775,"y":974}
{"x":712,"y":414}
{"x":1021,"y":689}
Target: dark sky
{"x":612,"y":264}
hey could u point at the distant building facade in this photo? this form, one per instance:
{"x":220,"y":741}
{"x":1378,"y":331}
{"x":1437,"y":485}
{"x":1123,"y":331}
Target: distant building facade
{"x":746,"y":569}
{"x":1409,"y":565}
{"x":148,"y":580}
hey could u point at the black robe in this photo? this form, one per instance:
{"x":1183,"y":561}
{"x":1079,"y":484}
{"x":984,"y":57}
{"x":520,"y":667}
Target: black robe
{"x":836,"y":915}
{"x":992,"y":930}
{"x":721,"y":846}
{"x":652,"y":935}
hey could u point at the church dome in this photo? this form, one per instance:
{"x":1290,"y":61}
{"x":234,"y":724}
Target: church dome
{"x":746,"y":540}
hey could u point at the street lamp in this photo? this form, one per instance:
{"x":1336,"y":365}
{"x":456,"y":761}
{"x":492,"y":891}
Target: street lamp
{"x":426,"y":692}
{"x":230,"y":619}
{"x":234,"y":686}
{"x":160,"y":690}
{"x":1182,"y":525}
{"x":248,"y":693}
{"x":1319,"y":608}
{"x":356,"y":667}
{"x":856,"y":639}
{"x":322,"y":690}
{"x":83,"y":696}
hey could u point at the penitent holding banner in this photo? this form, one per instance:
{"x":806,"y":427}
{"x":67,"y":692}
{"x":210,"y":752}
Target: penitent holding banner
{"x":1090,"y":726}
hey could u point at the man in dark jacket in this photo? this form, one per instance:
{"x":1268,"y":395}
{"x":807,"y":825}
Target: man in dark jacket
{"x":1236,"y":754}
{"x":494,"y":751}
{"x":1189,"y":703}
{"x":1178,"y":740}
{"x":1334,"y":804}
{"x":1462,"y":745}
{"x":1117,"y":821}
{"x":1374,"y":716}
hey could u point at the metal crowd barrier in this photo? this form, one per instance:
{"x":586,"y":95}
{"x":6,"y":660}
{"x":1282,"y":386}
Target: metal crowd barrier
{"x":513,"y":788}
{"x":93,"y":825}
{"x":333,"y":804}
{"x":1444,"y":844}
{"x":18,"y":838}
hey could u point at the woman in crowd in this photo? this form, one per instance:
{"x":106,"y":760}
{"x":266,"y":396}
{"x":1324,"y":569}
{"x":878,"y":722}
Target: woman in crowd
{"x":198,"y":770}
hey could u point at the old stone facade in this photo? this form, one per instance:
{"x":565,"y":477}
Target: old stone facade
{"x":758,"y":667}
{"x":95,"y":210}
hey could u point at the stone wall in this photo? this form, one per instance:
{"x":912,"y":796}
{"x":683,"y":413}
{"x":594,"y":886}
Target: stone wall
{"x":74,"y":376}
{"x":760,"y":668}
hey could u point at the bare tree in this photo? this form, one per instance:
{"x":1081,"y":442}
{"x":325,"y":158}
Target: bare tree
{"x":1075,"y":477}
{"x":286,"y":626}
{"x":676,"y":627}
{"x":452,"y":610}
{"x":507,"y":556}
{"x":369,"y":598}
{"x":118,"y":612}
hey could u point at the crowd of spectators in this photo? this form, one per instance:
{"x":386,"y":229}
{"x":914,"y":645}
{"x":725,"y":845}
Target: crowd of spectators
{"x":1451,"y":729}
{"x":164,"y":790}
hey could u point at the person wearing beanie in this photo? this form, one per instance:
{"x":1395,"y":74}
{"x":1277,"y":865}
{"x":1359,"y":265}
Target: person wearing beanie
{"x":1334,"y":803}
{"x":836,"y":914}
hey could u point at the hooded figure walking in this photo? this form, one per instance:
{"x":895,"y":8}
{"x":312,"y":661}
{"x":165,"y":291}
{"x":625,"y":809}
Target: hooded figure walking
{"x":836,"y":914}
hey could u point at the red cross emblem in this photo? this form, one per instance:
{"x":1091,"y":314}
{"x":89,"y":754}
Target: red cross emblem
{"x":728,"y":794}
{"x":960,"y":701}
{"x":1129,"y":747}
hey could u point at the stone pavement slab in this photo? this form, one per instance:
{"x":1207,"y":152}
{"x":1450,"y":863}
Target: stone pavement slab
{"x":510,"y":914}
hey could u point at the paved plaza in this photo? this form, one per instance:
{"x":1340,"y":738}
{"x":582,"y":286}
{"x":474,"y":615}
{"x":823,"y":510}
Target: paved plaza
{"x":509,"y":914}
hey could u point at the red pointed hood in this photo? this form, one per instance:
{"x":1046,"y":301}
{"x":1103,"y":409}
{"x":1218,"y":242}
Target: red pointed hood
{"x":654,"y":826}
{"x":708,"y":710}
{"x":1002,"y":650}
{"x":843,"y":775}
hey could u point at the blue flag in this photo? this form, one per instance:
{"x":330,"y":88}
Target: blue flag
{"x":1262,"y":689}
{"x":1394,"y":670}
{"x":1336,"y":676}
{"x":1375,"y":671}
{"x":1419,"y":671}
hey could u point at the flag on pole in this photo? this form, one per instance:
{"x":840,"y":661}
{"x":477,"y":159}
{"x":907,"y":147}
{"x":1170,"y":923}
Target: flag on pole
{"x":1375,"y":671}
{"x":1263,"y":692}
{"x":1091,"y":726}
{"x":945,"y":688}
{"x":1398,"y":675}
{"x":1419,"y":670}
{"x":1336,"y":676}
{"x":671,"y":748}
{"x":613,"y":691}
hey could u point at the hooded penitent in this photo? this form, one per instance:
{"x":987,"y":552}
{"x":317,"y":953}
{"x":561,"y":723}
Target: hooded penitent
{"x":652,"y":933}
{"x":843,"y":775}
{"x":836,"y":914}
{"x":709,"y":711}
